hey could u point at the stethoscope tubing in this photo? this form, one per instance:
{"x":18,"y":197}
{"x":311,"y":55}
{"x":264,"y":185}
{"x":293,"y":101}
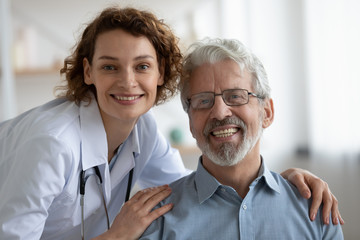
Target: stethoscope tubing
{"x":83,"y":178}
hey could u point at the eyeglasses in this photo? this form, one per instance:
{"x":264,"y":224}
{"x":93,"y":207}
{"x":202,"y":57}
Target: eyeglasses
{"x":231,"y":97}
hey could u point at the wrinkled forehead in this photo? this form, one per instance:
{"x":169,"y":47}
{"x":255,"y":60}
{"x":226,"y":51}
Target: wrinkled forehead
{"x":218,"y":76}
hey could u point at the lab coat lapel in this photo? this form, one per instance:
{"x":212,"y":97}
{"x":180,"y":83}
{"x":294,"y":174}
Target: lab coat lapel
{"x":94,"y":143}
{"x":93,"y":136}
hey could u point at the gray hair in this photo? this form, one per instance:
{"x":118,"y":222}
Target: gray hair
{"x":215,"y":50}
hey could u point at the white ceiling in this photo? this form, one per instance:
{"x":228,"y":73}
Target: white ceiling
{"x":167,"y":9}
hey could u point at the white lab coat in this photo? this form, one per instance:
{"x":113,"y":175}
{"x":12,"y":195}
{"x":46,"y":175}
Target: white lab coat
{"x":42,"y":153}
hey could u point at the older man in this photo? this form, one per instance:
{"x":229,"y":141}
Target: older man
{"x":232,"y":195}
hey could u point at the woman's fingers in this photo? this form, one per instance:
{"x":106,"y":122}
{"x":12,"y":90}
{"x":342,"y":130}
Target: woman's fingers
{"x":310,"y":185}
{"x":148,"y":198}
{"x":138,"y":213}
{"x":159,"y":212}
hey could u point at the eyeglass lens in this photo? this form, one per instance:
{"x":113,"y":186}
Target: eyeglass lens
{"x":231,"y":97}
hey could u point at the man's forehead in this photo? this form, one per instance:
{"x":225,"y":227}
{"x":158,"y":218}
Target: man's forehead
{"x":220,"y":75}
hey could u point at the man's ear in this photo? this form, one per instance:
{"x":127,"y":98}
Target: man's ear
{"x":162,"y":73}
{"x":87,"y":72}
{"x":268,"y":109}
{"x":190,"y":125}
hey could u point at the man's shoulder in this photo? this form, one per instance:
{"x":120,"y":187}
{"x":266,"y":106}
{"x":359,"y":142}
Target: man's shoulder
{"x":182,"y":188}
{"x":184,"y":181}
{"x":286,"y":187}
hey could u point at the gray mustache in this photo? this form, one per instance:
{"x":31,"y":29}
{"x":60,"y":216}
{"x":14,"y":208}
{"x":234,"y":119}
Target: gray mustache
{"x":216,"y":123}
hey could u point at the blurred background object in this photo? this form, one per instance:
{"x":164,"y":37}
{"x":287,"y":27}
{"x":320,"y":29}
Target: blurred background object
{"x":309,"y":48}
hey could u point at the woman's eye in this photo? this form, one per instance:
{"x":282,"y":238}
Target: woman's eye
{"x":143,"y":67}
{"x":109,"y":67}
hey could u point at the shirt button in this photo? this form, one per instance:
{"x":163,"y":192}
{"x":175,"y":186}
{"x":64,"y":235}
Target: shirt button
{"x":223,"y":189}
{"x":244,"y":207}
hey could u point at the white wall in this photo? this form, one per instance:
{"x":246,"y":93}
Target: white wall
{"x":284,"y":35}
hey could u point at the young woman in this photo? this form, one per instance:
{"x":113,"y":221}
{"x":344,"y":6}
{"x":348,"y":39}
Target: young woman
{"x":67,"y":167}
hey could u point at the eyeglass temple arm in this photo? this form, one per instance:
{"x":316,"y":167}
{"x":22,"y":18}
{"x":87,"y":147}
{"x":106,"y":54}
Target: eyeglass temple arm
{"x":255,"y":95}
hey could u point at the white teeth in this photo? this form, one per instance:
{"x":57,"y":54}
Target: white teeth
{"x":225,"y":133}
{"x":126,"y":98}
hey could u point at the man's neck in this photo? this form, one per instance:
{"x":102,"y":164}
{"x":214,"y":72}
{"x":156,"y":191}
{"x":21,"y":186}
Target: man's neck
{"x":239,"y":176}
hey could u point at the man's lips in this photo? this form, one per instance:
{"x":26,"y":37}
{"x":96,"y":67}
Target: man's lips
{"x":225,"y":132}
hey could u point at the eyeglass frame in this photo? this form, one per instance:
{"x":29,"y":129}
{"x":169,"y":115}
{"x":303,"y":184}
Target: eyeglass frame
{"x":224,"y":99}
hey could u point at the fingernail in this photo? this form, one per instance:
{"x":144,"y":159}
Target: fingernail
{"x":327,"y":220}
{"x":313,"y":215}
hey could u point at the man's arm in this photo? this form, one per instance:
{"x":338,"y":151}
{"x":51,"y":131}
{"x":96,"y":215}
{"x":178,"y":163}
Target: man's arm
{"x":309,"y":184}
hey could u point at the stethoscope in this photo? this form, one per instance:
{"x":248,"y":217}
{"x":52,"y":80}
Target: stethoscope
{"x":84,"y":175}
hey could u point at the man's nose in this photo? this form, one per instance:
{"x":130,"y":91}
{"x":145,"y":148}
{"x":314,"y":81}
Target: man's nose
{"x":220,"y":110}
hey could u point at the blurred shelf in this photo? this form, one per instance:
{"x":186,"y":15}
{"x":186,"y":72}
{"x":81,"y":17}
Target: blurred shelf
{"x":37,"y":71}
{"x":187,"y":149}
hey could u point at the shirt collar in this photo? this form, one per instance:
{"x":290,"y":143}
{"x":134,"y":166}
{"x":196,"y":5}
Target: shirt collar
{"x":128,"y":152}
{"x":269,"y":178}
{"x":206,"y":184}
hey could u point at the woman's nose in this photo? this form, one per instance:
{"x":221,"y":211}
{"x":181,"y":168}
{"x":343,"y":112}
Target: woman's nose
{"x":127,"y":78}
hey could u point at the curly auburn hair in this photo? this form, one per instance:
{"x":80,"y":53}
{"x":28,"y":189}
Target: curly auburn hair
{"x":137,"y":23}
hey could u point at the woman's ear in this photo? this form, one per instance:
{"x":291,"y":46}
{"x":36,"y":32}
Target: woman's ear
{"x":87,"y":72}
{"x":162,"y":73}
{"x":268,"y":113}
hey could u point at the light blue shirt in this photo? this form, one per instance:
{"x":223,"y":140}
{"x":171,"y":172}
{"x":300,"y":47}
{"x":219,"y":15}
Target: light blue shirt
{"x":42,"y":153}
{"x":205,"y":209}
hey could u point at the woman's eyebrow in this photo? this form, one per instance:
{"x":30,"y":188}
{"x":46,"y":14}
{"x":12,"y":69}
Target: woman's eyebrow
{"x":143,"y":57}
{"x":105,"y":57}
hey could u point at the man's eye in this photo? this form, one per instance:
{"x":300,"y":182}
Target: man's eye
{"x":235,"y":96}
{"x":204,"y":101}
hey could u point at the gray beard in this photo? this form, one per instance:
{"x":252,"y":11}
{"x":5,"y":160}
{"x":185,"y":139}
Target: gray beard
{"x":229,"y":154}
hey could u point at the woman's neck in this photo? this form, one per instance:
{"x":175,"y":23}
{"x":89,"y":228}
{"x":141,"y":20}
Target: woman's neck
{"x":117,"y":132}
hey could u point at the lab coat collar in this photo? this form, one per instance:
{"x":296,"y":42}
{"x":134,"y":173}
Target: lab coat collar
{"x":93,"y":136}
{"x":134,"y":138}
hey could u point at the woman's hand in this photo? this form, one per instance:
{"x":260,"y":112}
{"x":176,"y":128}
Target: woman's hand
{"x":308,"y":183}
{"x":137,"y":214}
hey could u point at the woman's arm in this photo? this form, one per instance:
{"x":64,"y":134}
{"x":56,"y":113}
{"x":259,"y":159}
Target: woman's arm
{"x":137,"y":214}
{"x":33,"y":174}
{"x":310,"y":185}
